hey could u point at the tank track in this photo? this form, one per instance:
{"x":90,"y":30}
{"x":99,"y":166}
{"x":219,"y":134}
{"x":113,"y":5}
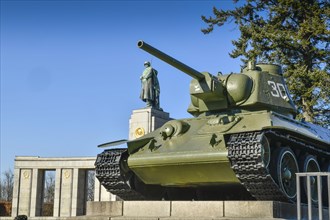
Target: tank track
{"x":108,"y":172}
{"x":244,"y":153}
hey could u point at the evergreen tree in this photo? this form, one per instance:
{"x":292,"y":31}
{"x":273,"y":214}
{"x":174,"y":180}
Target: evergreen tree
{"x":292,"y":33}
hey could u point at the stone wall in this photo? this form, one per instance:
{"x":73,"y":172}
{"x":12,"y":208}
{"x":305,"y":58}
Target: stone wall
{"x":70,"y":180}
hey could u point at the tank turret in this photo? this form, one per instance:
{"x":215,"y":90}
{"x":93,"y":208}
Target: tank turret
{"x":257,"y":87}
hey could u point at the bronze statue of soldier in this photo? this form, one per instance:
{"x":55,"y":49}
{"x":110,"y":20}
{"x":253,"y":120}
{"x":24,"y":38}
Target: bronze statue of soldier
{"x":150,"y":86}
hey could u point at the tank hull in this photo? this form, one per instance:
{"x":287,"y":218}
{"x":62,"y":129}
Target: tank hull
{"x":229,"y":156}
{"x":199,"y":157}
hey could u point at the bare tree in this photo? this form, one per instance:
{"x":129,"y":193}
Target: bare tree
{"x":90,"y":185}
{"x":6,"y":185}
{"x":49,"y":189}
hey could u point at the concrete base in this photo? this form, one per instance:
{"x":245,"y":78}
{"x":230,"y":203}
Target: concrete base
{"x":170,"y":210}
{"x":189,"y":210}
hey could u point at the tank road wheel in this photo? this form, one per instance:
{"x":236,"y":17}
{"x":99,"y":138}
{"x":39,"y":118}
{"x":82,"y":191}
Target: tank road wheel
{"x":285,"y":168}
{"x":265,"y":150}
{"x":309,"y":164}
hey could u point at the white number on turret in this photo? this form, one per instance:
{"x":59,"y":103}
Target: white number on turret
{"x":278,"y":90}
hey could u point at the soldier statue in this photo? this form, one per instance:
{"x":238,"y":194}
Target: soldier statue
{"x":150,"y":86}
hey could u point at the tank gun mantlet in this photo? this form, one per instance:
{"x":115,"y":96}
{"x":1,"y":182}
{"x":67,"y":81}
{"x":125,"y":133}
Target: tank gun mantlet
{"x":208,"y":88}
{"x":207,"y":94}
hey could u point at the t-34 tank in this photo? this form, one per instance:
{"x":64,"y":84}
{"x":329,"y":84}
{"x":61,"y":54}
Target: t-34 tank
{"x":242,"y":143}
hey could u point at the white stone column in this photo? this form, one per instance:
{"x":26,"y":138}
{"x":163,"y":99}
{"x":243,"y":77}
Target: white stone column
{"x":105,"y":195}
{"x":25,"y":192}
{"x":75,"y":192}
{"x":36,"y":192}
{"x":112,"y":197}
{"x":57,"y":192}
{"x":97,"y":190}
{"x":101,"y":194}
{"x":14,"y":210}
{"x":66,"y":193}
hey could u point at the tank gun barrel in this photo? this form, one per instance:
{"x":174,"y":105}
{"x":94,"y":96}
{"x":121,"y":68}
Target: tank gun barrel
{"x":170,"y":60}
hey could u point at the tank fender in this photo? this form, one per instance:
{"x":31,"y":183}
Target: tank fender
{"x":138,"y":143}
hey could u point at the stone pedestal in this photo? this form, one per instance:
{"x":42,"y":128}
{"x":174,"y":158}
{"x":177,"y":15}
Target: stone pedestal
{"x":146,"y":120}
{"x":197,"y":210}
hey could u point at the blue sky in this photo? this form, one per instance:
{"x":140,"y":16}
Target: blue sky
{"x":70,"y":69}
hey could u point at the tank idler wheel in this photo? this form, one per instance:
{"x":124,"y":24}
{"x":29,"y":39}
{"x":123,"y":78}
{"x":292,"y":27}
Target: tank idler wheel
{"x":285,"y":167}
{"x":308,"y":163}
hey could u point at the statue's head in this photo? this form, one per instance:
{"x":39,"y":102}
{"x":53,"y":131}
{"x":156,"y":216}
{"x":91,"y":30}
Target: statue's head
{"x":147,"y":64}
